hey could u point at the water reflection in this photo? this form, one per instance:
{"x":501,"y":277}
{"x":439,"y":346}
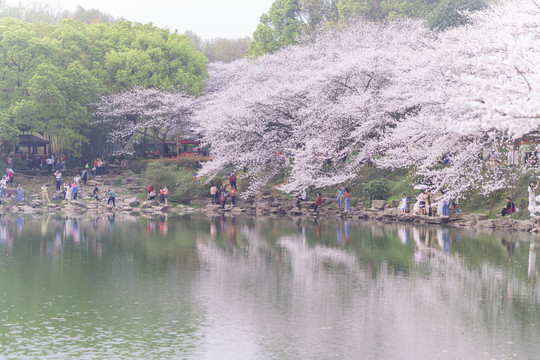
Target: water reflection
{"x":233,"y":287}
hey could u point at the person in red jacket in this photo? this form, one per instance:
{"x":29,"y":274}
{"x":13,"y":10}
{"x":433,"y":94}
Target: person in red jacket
{"x":232,"y":181}
{"x":318,"y":202}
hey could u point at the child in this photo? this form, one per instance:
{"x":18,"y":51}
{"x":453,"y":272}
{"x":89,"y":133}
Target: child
{"x":20,"y":193}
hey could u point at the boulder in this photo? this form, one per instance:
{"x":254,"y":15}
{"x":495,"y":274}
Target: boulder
{"x":149,"y":204}
{"x":212,"y":207}
{"x":35,"y":203}
{"x":286,"y":207}
{"x":476,"y":217}
{"x":378,"y":204}
{"x":295,"y":213}
{"x":503,"y":223}
{"x":108,"y":182}
{"x":165,"y":208}
{"x":78,"y":204}
{"x":200,"y":202}
{"x":485,"y":224}
{"x":523,"y":225}
{"x":58,"y":195}
{"x":436,"y":220}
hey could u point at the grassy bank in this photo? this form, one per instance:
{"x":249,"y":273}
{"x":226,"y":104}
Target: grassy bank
{"x":371,"y":183}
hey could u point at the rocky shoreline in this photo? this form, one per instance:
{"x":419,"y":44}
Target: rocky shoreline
{"x":130,"y":205}
{"x":128,"y":201}
{"x":266,"y":204}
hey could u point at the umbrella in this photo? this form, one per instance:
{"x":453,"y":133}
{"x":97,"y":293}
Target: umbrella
{"x":421,"y":187}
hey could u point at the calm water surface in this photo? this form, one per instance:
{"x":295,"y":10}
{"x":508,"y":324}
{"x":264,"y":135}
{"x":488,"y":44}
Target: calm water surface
{"x":222,"y":288}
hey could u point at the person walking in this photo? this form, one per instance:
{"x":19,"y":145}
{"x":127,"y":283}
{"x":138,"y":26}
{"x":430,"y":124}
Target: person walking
{"x":3,"y":186}
{"x":318,"y":202}
{"x":45,"y":194}
{"x":58,"y":177}
{"x":347,"y":199}
{"x":10,"y":174}
{"x":429,"y":200}
{"x":232,"y":181}
{"x":85,"y":176}
{"x":213,"y":193}
{"x":75,"y":190}
{"x":149,"y":190}
{"x":69,"y":192}
{"x":422,"y":203}
{"x":233,"y":196}
{"x":339,"y":199}
{"x":20,"y":193}
{"x":112,"y":198}
{"x":50,"y":163}
{"x":222,"y":197}
{"x":445,"y":204}
{"x":161,"y":195}
{"x":166,"y":194}
{"x":95,"y":192}
{"x":532,"y":198}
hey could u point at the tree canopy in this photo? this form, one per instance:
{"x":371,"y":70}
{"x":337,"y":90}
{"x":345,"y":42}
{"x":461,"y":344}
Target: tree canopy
{"x":51,"y":74}
{"x":296,"y":21}
{"x":394,"y":95}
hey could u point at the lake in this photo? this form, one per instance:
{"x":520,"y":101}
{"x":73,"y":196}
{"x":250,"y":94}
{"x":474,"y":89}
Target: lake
{"x":243,"y":288}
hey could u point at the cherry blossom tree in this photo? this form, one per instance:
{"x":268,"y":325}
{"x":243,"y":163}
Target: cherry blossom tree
{"x":394,"y":93}
{"x":146,"y":113}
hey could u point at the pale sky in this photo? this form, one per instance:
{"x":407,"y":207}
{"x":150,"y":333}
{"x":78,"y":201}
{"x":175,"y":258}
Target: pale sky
{"x":207,"y":18}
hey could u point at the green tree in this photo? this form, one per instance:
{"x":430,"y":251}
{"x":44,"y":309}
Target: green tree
{"x":452,"y":13}
{"x":51,"y":74}
{"x":226,"y":50}
{"x":278,"y":28}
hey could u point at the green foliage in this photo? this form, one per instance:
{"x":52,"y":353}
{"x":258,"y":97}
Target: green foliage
{"x":226,"y":50}
{"x":452,"y":13}
{"x":51,"y":74}
{"x":277,"y":29}
{"x":178,"y":180}
{"x":293,"y":21}
{"x":376,"y":189}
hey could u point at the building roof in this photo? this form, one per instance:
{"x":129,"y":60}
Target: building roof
{"x":25,"y":140}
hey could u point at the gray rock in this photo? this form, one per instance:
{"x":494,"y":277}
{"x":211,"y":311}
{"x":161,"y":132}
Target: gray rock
{"x":485,"y":224}
{"x":78,"y":204}
{"x":476,"y":217}
{"x":149,"y":204}
{"x":295,"y":213}
{"x":378,"y":204}
{"x":35,"y":203}
{"x":58,"y":195}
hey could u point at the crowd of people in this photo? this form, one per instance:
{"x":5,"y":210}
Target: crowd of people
{"x":70,"y":190}
{"x":162,"y":192}
{"x":220,"y":195}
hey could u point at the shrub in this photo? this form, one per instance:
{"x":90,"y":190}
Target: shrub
{"x":180,"y":182}
{"x":376,"y":189}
